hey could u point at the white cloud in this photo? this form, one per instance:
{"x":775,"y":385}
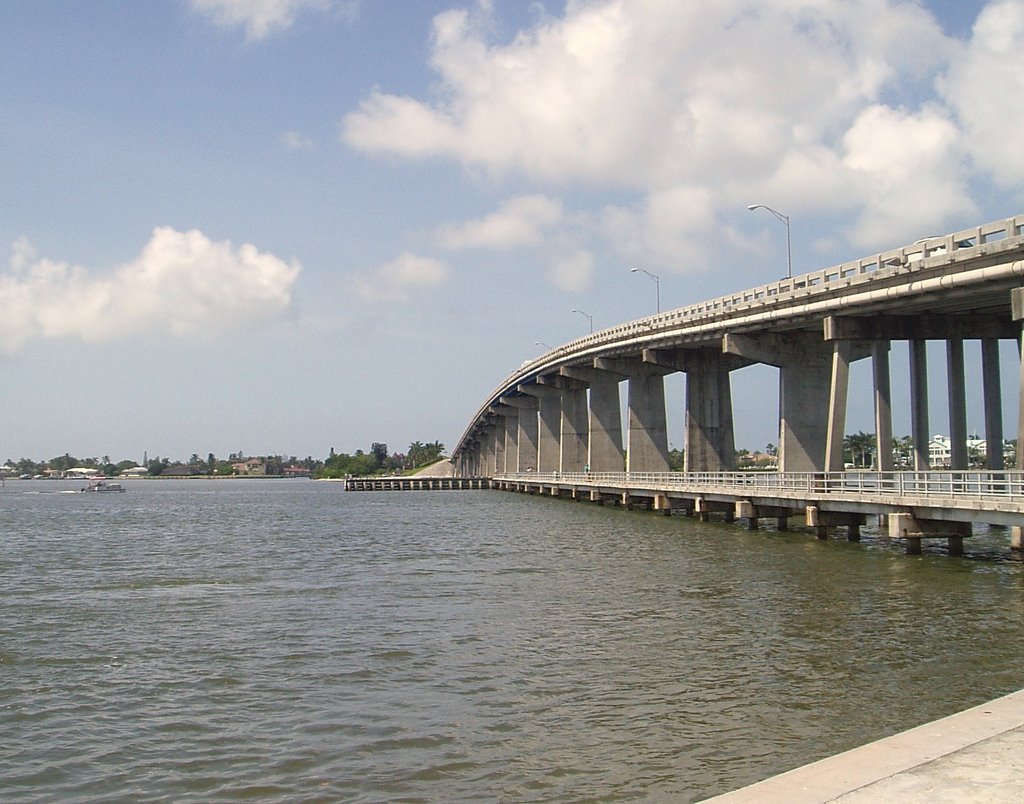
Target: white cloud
{"x":649,"y":93}
{"x":911,"y":166}
{"x":181,"y":284}
{"x":296,"y":141}
{"x":520,"y":221}
{"x":708,"y":107}
{"x":667,"y":230}
{"x":393,"y":281}
{"x":261,"y":18}
{"x":984,"y":86}
{"x":573,"y":272}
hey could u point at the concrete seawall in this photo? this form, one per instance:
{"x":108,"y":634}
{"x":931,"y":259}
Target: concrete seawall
{"x":976,"y":755}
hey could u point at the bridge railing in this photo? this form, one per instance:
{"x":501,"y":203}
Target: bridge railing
{"x":975,"y":484}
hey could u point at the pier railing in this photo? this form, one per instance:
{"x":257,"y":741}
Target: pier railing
{"x":962,"y":485}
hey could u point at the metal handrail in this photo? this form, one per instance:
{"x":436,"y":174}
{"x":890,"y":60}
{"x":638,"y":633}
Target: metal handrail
{"x":969,"y":484}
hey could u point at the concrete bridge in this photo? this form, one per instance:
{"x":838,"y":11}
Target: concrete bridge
{"x":561,"y":412}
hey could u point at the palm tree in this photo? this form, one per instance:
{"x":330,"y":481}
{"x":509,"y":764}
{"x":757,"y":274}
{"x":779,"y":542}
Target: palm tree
{"x":859,"y":448}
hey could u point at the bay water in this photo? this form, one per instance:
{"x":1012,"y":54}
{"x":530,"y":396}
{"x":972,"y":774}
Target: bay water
{"x":288,"y":641}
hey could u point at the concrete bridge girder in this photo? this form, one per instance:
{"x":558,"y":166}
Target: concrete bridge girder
{"x":918,"y":327}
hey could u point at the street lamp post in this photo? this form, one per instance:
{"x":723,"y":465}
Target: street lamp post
{"x":589,"y":318}
{"x":789,"y":244}
{"x":657,"y":283}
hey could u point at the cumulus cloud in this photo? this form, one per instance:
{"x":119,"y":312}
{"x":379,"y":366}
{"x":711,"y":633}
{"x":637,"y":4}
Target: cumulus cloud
{"x":650,"y":92}
{"x":182,"y":283}
{"x":261,"y":18}
{"x":394,"y":281}
{"x":984,"y":85}
{"x":910,"y":165}
{"x":520,"y":221}
{"x":666,"y":230}
{"x":704,"y":107}
{"x":573,"y":272}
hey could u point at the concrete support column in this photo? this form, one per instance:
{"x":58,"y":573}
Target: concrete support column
{"x":957,"y":403}
{"x":549,"y":431}
{"x":993,"y":393}
{"x":710,"y":439}
{"x":499,"y":445}
{"x":838,"y":390}
{"x":647,"y":434}
{"x":526,"y":437}
{"x":1017,"y":304}
{"x":471,"y":461}
{"x":917,"y":330}
{"x":919,"y":404}
{"x":506,"y":439}
{"x":604,"y":445}
{"x":549,"y":425}
{"x":511,"y":440}
{"x":528,"y":433}
{"x":805,"y":380}
{"x":573,"y":428}
{"x":464,"y":463}
{"x":648,"y":425}
{"x":606,"y":450}
{"x":488,"y":456}
{"x":883,"y":406}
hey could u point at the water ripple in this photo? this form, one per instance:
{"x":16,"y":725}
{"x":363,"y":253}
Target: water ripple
{"x":286,"y":641}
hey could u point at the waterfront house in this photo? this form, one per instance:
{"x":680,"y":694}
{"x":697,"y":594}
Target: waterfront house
{"x":253,"y":467}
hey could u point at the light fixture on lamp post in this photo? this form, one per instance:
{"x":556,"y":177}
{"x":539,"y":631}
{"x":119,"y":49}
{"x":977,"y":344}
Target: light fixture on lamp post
{"x":589,"y":318}
{"x":789,"y":244}
{"x":657,"y":283}
{"x":541,"y":343}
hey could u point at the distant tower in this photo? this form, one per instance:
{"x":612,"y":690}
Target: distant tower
{"x":145,"y":458}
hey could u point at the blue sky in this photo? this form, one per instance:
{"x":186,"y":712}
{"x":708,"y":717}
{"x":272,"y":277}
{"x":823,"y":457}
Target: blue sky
{"x":282,"y":226}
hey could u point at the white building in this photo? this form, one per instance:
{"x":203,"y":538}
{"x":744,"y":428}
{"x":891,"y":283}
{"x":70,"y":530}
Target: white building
{"x":940,"y":450}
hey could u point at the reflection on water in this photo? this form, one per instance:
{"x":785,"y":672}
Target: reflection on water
{"x":284,"y":640}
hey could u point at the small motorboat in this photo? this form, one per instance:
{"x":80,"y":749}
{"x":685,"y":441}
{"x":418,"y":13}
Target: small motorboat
{"x":102,"y":486}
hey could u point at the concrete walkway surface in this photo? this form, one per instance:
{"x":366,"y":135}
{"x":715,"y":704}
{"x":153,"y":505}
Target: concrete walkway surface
{"x":972,"y":756}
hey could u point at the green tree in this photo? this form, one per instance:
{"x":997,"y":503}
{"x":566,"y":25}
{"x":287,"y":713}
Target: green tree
{"x":675,"y":459}
{"x":62,"y":463}
{"x":379,"y":452}
{"x":859,"y":449}
{"x":421,"y":454}
{"x":903,"y":450}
